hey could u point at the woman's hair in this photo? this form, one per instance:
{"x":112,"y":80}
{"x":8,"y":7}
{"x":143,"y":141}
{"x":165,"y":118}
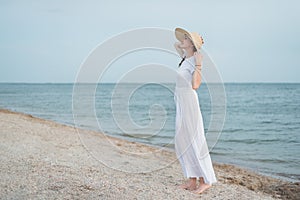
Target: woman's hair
{"x":194,"y":48}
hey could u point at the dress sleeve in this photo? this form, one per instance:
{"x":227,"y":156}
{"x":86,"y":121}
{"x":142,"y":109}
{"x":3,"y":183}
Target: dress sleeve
{"x":191,"y":68}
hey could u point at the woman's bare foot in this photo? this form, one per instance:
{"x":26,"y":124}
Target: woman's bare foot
{"x":190,"y":185}
{"x":201,"y":188}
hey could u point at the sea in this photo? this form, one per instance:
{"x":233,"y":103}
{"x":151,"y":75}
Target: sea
{"x":260,"y":128}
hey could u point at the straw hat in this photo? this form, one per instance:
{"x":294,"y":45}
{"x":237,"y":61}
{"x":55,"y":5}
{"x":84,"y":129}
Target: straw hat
{"x":197,"y":39}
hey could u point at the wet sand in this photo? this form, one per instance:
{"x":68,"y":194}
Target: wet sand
{"x":43,"y":159}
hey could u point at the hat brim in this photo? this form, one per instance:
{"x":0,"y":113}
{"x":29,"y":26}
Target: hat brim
{"x":179,"y":33}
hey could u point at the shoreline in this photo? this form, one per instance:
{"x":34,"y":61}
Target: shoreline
{"x":24,"y":136}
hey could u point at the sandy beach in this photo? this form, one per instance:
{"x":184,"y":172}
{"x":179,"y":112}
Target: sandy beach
{"x":41,"y":159}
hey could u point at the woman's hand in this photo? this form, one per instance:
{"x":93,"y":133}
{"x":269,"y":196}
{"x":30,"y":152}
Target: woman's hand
{"x":198,"y":58}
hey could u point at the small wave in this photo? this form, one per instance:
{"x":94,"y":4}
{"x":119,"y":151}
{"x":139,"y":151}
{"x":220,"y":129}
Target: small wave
{"x":293,"y":141}
{"x":144,"y":135}
{"x":285,"y":123}
{"x":266,"y":122}
{"x":255,"y":141}
{"x":218,"y":153}
{"x":264,"y":160}
{"x":233,"y":130}
{"x":167,"y":145}
{"x":246,"y":141}
{"x":293,"y":177}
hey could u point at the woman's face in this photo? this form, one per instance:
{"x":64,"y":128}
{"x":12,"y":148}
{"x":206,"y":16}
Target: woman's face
{"x":186,"y":43}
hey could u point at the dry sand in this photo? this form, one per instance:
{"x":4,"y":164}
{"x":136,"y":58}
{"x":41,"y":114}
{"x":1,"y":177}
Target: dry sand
{"x":42,"y":159}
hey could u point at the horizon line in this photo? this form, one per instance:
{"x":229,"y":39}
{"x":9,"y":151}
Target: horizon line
{"x":137,"y":82}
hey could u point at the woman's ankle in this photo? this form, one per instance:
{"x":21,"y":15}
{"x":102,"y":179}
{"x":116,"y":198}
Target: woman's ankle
{"x":201,"y":180}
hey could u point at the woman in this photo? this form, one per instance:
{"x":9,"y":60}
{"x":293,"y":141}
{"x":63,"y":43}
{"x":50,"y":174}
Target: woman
{"x":190,"y":142}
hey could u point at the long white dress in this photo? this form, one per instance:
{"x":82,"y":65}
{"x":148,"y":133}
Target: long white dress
{"x":190,"y":142}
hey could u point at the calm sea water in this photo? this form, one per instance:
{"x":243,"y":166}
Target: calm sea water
{"x":261,"y":130}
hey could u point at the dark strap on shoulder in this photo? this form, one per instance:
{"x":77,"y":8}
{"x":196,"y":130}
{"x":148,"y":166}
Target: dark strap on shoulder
{"x":181,"y":61}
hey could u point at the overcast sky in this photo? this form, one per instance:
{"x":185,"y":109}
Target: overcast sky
{"x":249,"y":41}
